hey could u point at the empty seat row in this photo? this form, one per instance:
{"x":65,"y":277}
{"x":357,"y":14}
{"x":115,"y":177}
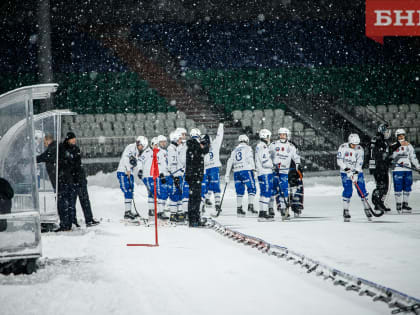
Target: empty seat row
{"x":125,"y":117}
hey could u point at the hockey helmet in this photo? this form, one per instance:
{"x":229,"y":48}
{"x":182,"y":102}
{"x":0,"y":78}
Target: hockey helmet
{"x":265,"y":134}
{"x":243,"y":138}
{"x":142,"y":140}
{"x":174,"y":136}
{"x":400,"y":132}
{"x":286,"y":132}
{"x":195,"y":133}
{"x":354,"y":138}
{"x":162,"y":138}
{"x":154,"y":141}
{"x":383,"y":129}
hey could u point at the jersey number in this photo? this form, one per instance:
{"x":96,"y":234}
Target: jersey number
{"x":238,"y":156}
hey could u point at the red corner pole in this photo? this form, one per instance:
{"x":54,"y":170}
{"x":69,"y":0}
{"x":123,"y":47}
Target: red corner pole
{"x":156,"y":223}
{"x":154,"y":171}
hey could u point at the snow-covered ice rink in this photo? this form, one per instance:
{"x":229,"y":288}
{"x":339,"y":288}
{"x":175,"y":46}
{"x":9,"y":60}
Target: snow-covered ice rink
{"x":198,"y":271}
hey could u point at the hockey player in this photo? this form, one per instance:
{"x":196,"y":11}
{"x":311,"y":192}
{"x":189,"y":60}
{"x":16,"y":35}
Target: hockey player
{"x":350,"y":157}
{"x":264,"y":166}
{"x":211,"y":179}
{"x":242,"y":160}
{"x":182,"y":153}
{"x":379,"y":163}
{"x":404,"y":157}
{"x":144,"y":166}
{"x":282,"y":153}
{"x":127,"y":163}
{"x":174,"y":181}
{"x":161,"y":182}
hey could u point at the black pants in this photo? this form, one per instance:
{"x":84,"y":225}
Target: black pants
{"x":194,"y":200}
{"x":5,"y":208}
{"x":66,"y":204}
{"x":82,"y":193}
{"x":382,"y":182}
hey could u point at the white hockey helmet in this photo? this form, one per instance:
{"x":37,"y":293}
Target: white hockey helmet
{"x":354,"y":138}
{"x":142,"y":140}
{"x":174,"y":136}
{"x":286,"y":132}
{"x":195,"y":133}
{"x":162,"y":138}
{"x":265,"y":134}
{"x":243,"y":138}
{"x":154,"y":141}
{"x":400,"y":132}
{"x":181,"y":131}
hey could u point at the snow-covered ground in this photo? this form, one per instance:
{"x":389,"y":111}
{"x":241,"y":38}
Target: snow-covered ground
{"x":198,"y":271}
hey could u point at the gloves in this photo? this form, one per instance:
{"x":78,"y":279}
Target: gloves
{"x":133,"y":161}
{"x":177,"y":182}
{"x":205,"y":140}
{"x":140,"y":174}
{"x":227,"y":178}
{"x":162,"y":178}
{"x":299,"y":169}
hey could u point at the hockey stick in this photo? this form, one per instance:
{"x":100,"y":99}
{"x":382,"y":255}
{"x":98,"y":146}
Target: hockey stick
{"x":375,"y":214}
{"x":135,"y":208}
{"x":407,"y":167}
{"x":221,"y":202}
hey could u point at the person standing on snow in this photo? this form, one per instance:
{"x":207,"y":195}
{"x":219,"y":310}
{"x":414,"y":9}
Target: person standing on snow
{"x":264,"y":166}
{"x":242,"y":160}
{"x":282,"y":153}
{"x":174,"y":181}
{"x":379,"y":163}
{"x":350,"y":157}
{"x":127,"y":163}
{"x":211,"y":179}
{"x":403,"y":158}
{"x":197,"y":147}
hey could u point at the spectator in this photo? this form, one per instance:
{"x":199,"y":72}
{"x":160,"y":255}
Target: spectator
{"x":6,"y":195}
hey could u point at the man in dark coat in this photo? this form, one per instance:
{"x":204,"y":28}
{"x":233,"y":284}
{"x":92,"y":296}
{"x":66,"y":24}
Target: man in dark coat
{"x":197,"y":147}
{"x":379,"y":163}
{"x":6,"y":195}
{"x":49,"y":157}
{"x":79,"y":180}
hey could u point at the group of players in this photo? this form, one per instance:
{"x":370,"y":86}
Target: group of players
{"x":277,"y":166}
{"x":273,"y":162}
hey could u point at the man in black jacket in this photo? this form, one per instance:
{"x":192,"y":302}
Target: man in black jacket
{"x":49,"y":157}
{"x":197,"y":147}
{"x":79,"y":181}
{"x":6,"y":195}
{"x":379,"y":163}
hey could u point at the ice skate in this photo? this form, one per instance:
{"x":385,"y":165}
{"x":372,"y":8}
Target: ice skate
{"x":251,"y":209}
{"x":263,"y":216}
{"x":406,"y":208}
{"x":399,"y":207}
{"x":240,"y":212}
{"x":346,"y":215}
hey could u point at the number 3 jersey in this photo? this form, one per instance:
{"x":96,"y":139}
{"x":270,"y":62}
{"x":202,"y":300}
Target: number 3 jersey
{"x":241,"y":158}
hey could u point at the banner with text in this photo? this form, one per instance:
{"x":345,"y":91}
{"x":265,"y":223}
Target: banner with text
{"x":392,"y":18}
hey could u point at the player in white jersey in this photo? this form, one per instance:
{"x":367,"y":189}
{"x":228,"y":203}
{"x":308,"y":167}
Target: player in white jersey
{"x":264,"y":166}
{"x":211,"y":178}
{"x":145,"y":165}
{"x":242,"y":160}
{"x":282,"y":153}
{"x":127,"y":163}
{"x":174,"y":181}
{"x":182,"y":151}
{"x":350,"y":158}
{"x":161,"y":182}
{"x":403,"y":158}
